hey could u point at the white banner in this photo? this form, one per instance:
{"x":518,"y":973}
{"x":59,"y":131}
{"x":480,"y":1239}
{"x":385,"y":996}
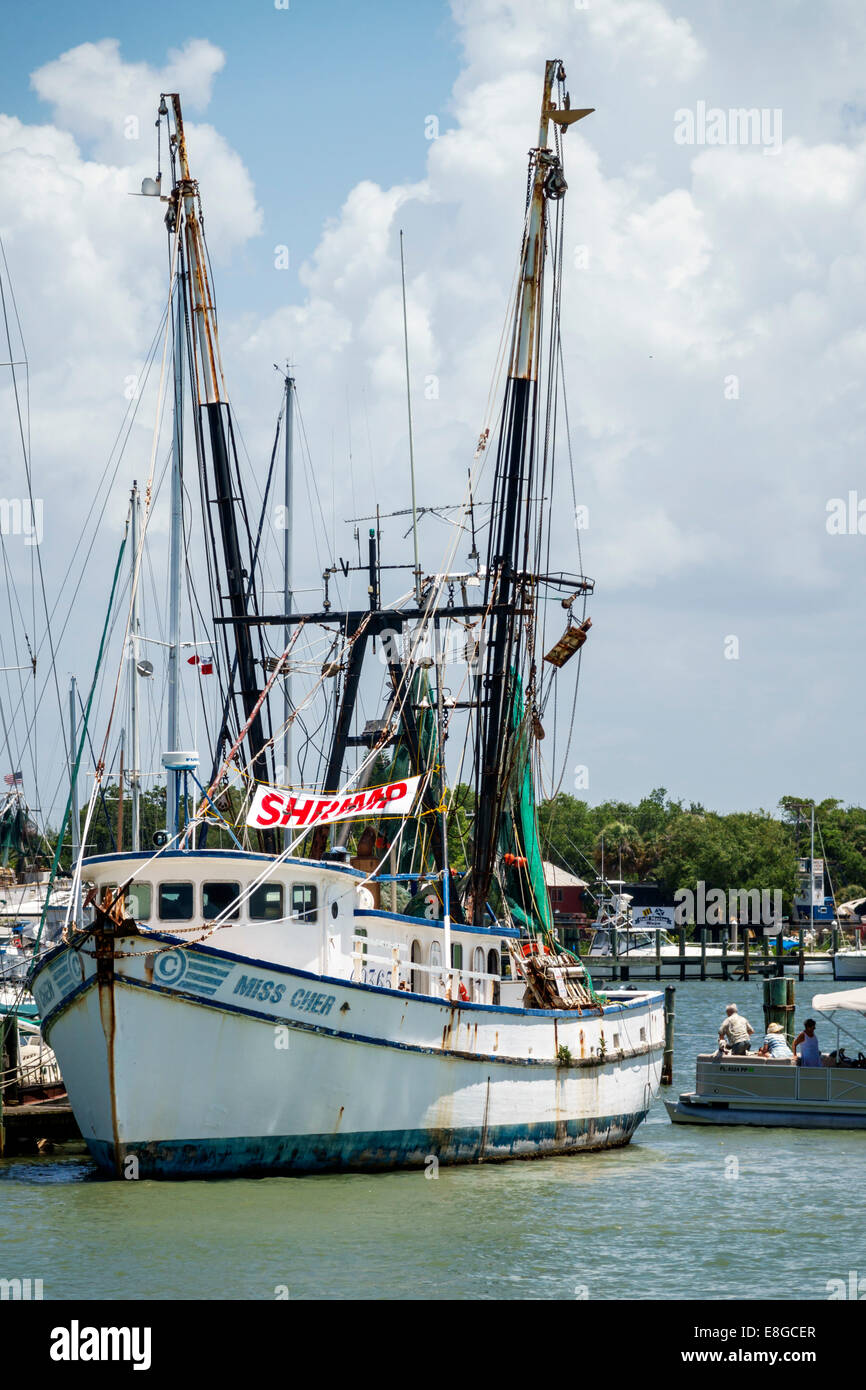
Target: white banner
{"x":301,"y":810}
{"x":654,"y":917}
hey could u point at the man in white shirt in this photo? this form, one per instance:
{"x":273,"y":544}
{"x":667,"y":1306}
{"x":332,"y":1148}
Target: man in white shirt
{"x":736,"y":1031}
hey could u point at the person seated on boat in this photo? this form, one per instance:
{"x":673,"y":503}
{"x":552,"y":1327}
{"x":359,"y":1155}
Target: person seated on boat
{"x":774,"y":1044}
{"x":736,"y":1031}
{"x":807,"y":1041}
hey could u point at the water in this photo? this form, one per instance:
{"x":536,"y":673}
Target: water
{"x":658,"y":1219}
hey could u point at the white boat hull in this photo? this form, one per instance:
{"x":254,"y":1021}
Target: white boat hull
{"x":191,"y":1061}
{"x":849,"y":965}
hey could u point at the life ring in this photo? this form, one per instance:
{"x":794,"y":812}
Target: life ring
{"x":463,"y":992}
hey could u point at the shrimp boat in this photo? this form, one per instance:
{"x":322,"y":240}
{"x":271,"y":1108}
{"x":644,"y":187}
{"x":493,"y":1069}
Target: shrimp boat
{"x":366,"y":976}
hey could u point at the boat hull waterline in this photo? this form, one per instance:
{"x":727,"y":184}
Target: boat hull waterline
{"x":195,"y":1062}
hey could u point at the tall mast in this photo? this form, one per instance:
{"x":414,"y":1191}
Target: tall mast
{"x":174,"y":561}
{"x":287,"y":581}
{"x":75,"y":816}
{"x":511,"y":497}
{"x":812,"y":872}
{"x":216,"y":424}
{"x":135,"y":769}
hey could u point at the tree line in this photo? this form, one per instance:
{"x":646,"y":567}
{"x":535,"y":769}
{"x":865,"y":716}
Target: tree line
{"x":665,"y":841}
{"x":658,"y":839}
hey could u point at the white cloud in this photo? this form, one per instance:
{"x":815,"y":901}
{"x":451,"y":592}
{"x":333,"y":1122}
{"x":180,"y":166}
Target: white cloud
{"x":703,"y":265}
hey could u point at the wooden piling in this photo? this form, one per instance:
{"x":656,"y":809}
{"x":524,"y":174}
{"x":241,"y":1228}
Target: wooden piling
{"x":725,"y":954}
{"x":779,"y":1004}
{"x":682,"y":953}
{"x":780,"y":954}
{"x":668,"y":1058}
{"x":658,"y":955}
{"x":745,"y":953}
{"x":703,"y":953}
{"x":801,"y":957}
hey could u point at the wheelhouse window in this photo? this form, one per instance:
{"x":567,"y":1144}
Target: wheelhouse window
{"x":217,"y":899}
{"x":138,"y":901}
{"x":266,"y":902}
{"x":457,"y":955}
{"x":175,"y":902}
{"x":305,"y":902}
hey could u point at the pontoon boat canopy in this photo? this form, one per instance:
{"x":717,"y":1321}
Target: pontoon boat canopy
{"x":854,"y":999}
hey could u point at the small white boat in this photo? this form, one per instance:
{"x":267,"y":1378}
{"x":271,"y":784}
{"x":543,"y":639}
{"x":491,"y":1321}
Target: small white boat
{"x":639,"y":951}
{"x":753,"y":1090}
{"x":850,"y":964}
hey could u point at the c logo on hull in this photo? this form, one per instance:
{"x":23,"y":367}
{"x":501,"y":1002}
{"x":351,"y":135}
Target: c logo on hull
{"x":170,"y":967}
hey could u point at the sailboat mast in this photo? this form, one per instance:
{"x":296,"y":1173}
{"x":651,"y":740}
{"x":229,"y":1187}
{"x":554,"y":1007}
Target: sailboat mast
{"x":288,"y":481}
{"x":74,"y":811}
{"x":174,"y":562}
{"x":134,"y":771}
{"x":812,"y":873}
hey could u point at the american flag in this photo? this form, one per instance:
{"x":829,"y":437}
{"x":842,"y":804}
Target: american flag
{"x":14,"y":779}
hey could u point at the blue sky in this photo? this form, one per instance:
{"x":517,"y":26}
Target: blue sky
{"x":705,"y":265}
{"x":313,"y":98}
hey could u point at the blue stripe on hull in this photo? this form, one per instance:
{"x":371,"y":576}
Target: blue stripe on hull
{"x":363,"y":1152}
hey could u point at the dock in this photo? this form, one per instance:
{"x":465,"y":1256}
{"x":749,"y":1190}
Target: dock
{"x":26,"y":1128}
{"x":769,"y":959}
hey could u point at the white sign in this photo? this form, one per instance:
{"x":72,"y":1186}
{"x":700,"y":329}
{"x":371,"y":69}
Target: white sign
{"x":301,"y":810}
{"x":653,"y":917}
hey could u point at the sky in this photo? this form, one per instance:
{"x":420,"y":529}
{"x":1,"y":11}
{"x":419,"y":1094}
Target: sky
{"x":714,"y":295}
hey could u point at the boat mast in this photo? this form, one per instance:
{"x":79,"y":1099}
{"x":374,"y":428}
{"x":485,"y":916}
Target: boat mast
{"x":505,"y":583}
{"x":206,"y":369}
{"x":438,"y":657}
{"x":812,"y":873}
{"x":134,"y":771}
{"x":74,"y":811}
{"x":174,"y":560}
{"x":287,"y":584}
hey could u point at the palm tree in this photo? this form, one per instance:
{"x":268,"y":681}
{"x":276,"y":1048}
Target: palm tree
{"x":622,"y":845}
